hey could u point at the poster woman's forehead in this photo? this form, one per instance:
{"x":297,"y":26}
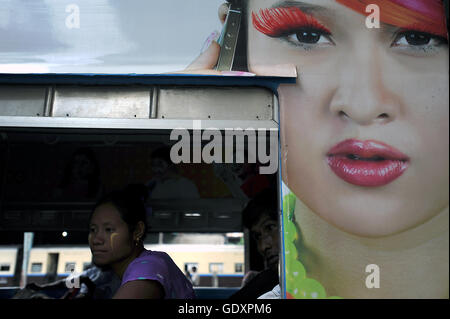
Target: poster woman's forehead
{"x":420,"y":15}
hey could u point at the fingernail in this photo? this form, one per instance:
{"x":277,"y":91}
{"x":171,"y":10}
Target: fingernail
{"x":237,"y":73}
{"x":214,"y":36}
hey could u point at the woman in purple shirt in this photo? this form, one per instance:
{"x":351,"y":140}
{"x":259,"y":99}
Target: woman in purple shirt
{"x":116,"y":239}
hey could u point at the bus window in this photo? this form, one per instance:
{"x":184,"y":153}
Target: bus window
{"x":55,"y":176}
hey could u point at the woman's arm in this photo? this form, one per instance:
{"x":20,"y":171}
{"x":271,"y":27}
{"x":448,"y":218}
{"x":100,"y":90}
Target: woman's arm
{"x":140,"y":289}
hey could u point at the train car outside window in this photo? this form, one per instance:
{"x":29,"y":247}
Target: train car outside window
{"x":70,"y":267}
{"x":36,"y":267}
{"x":5,"y":267}
{"x":216,"y":268}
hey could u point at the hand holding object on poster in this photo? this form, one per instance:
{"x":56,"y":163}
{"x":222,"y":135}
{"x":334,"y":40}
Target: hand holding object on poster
{"x":206,"y":62}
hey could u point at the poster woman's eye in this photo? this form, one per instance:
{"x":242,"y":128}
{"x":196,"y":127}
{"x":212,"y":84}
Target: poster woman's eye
{"x":417,"y":40}
{"x":309,"y":37}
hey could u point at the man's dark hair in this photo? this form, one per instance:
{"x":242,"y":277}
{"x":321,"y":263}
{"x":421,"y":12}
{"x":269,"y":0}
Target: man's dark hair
{"x":265,"y":202}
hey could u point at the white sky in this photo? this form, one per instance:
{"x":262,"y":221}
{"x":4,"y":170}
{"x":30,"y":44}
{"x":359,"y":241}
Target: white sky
{"x":114,"y":36}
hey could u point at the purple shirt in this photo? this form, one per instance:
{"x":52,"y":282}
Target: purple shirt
{"x":157,"y":265}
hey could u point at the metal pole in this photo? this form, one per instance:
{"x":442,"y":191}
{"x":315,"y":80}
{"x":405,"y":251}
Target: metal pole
{"x":27,"y":245}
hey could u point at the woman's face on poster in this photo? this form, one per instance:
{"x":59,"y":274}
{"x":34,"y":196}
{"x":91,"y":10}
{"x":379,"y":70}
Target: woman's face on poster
{"x":364,"y":131}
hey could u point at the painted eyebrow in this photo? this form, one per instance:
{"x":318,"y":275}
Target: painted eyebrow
{"x":303,"y":6}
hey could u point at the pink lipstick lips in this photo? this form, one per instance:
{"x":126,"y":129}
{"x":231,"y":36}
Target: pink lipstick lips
{"x":366,"y":163}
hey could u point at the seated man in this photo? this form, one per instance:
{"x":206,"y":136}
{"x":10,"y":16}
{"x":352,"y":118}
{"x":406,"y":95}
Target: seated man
{"x":260,"y":216}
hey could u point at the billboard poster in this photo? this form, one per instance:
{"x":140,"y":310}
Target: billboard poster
{"x":364,"y":144}
{"x":365,"y":209}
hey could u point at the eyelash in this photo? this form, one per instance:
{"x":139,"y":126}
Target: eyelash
{"x":287,"y":23}
{"x":276,"y":22}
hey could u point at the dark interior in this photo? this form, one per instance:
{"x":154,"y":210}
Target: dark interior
{"x":35,"y":163}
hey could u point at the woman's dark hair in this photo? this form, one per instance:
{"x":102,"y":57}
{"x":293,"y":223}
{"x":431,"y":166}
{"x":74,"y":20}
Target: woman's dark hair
{"x":130,"y":203}
{"x":265,"y":202}
{"x":93,"y":178}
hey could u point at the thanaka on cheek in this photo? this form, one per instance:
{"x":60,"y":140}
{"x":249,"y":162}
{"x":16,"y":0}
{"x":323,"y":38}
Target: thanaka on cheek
{"x":112,"y":241}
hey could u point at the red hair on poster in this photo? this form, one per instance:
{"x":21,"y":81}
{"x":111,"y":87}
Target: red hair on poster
{"x":422,"y":15}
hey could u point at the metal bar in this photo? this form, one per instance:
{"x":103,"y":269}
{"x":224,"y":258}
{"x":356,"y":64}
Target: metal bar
{"x":154,"y":98}
{"x":108,"y":123}
{"x":49,"y":99}
{"x":276,"y":109}
{"x":228,"y":40}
